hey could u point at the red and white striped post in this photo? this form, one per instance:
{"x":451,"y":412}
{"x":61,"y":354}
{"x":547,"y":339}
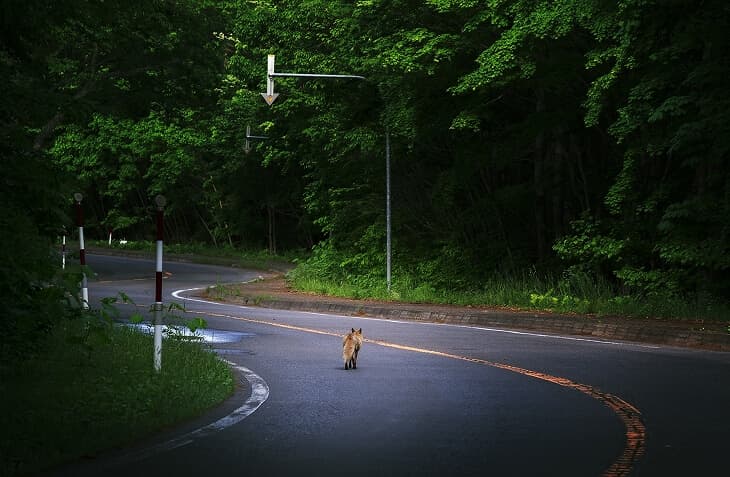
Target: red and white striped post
{"x":160,"y":201}
{"x":82,"y":251}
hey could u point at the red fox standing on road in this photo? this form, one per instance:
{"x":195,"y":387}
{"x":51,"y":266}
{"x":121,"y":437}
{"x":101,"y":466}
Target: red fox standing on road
{"x":351,"y":344}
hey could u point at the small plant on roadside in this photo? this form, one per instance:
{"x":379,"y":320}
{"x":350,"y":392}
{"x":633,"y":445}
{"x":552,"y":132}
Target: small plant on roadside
{"x":222,"y":291}
{"x":175,"y":325}
{"x":261,"y":298}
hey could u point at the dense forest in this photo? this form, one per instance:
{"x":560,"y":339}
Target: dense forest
{"x":569,"y":137}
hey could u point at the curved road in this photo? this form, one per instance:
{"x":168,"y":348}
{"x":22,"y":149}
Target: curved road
{"x":426,"y":399}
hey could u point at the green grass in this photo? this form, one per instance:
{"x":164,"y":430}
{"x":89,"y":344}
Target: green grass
{"x":94,"y":388}
{"x":528,"y":292}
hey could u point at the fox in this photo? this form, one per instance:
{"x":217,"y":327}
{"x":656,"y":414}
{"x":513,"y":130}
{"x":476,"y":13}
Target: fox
{"x":351,"y":344}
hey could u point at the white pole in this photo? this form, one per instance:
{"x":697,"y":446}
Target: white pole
{"x":84,"y":281}
{"x":160,"y":200}
{"x":158,"y":338}
{"x":63,"y":253}
{"x":158,"y":307}
{"x":387,"y":208}
{"x":82,"y":251}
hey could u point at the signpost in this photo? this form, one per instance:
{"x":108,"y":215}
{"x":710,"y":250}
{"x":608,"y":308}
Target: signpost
{"x":247,"y":146}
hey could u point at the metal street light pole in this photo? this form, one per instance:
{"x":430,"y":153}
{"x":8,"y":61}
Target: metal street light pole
{"x":270,"y":96}
{"x":387,"y":208}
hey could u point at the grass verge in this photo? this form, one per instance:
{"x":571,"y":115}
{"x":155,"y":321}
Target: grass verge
{"x":579,"y":295}
{"x":93,"y":388}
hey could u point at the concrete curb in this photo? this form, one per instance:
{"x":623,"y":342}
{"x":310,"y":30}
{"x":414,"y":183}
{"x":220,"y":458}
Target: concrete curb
{"x":660,"y":333}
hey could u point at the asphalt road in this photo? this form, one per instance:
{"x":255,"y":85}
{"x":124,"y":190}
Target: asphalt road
{"x":426,"y":399}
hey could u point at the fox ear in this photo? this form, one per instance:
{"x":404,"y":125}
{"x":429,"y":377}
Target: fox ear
{"x":353,"y":330}
{"x":360,"y":330}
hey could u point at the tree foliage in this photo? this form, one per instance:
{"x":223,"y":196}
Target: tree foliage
{"x":584,"y":136}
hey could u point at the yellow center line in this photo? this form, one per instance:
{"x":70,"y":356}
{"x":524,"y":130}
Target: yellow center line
{"x":629,"y":414}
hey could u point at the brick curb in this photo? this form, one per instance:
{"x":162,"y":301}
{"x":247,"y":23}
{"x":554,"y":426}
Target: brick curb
{"x":681,"y":335}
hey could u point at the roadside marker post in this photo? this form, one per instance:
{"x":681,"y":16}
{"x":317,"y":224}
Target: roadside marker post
{"x":78,"y":196}
{"x":160,"y":201}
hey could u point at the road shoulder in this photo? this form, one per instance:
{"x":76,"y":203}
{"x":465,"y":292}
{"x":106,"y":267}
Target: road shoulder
{"x":273,"y":291}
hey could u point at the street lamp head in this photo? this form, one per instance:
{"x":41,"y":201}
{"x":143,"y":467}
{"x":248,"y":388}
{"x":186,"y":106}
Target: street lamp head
{"x":78,"y":196}
{"x":160,"y":201}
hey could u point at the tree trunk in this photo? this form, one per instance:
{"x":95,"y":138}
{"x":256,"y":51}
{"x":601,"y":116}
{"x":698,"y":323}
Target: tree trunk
{"x":539,"y":181}
{"x":46,"y":132}
{"x":558,"y":185}
{"x":205,"y":224}
{"x":271,"y":215}
{"x":497,"y":213}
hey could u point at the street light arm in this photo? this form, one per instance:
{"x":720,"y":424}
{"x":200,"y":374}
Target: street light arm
{"x":270,"y":96}
{"x":315,"y":75}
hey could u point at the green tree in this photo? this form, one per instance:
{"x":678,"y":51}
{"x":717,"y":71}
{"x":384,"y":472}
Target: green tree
{"x":669,"y":205}
{"x":62,"y":64}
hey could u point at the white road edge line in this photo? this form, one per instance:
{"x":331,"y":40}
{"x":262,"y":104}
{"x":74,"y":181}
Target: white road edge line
{"x":259,"y":394}
{"x":177,"y":295}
